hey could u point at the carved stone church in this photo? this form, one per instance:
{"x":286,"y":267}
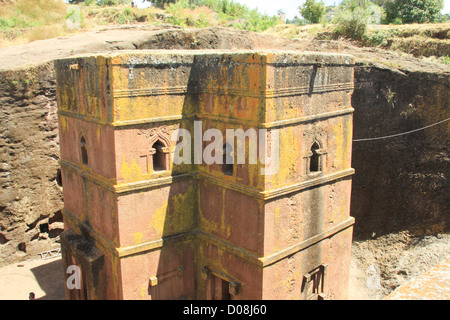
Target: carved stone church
{"x":140,"y":225}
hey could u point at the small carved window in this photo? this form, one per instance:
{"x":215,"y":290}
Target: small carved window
{"x":219,"y":286}
{"x":227,"y":164}
{"x":160,"y":155}
{"x":313,"y":287}
{"x":220,"y":289}
{"x":59,"y":177}
{"x":315,"y":159}
{"x":84,"y":154}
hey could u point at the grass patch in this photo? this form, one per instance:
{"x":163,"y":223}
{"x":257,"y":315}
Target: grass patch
{"x":419,"y":40}
{"x":99,"y":16}
{"x":445,"y":60}
{"x":28,"y":20}
{"x":32,"y":13}
{"x":187,"y":16}
{"x":43,"y":32}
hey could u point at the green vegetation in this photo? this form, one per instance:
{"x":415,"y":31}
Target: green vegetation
{"x":162,"y":3}
{"x":383,"y":23}
{"x":411,"y":11}
{"x":446,"y":60}
{"x":181,"y":14}
{"x":32,"y":13}
{"x":380,"y":37}
{"x":352,"y":18}
{"x":30,"y":20}
{"x":312,"y":11}
{"x":99,"y":2}
{"x":229,"y":13}
{"x":186,"y":13}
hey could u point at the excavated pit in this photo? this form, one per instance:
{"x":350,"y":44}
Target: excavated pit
{"x":399,"y":196}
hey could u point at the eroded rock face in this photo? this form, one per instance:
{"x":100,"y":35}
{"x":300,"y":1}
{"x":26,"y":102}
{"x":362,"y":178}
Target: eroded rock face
{"x":30,"y":198}
{"x":401,"y":182}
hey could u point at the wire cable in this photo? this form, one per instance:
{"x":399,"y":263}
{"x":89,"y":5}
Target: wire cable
{"x":403,"y":133}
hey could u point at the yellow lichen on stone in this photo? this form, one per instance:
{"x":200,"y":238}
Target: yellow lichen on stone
{"x":159,"y":218}
{"x":131,"y":173}
{"x":64,"y":124}
{"x":138,"y":236}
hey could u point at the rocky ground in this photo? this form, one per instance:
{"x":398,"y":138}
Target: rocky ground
{"x":381,"y":265}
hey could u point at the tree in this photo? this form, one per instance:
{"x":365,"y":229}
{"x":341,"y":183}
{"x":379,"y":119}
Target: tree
{"x":411,"y":11}
{"x":312,"y":11}
{"x":161,"y":3}
{"x":420,"y":11}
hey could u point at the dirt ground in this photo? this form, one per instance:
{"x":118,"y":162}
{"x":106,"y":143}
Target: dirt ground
{"x":43,"y":277}
{"x":381,"y":265}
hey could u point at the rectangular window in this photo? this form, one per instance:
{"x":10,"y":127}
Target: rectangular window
{"x":220,"y":289}
{"x":313,"y":287}
{"x":219,"y":286}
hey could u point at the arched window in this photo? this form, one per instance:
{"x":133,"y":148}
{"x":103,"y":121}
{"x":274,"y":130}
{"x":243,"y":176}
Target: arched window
{"x":84,"y":154}
{"x":314,"y":160}
{"x":227,"y":164}
{"x":160,"y":156}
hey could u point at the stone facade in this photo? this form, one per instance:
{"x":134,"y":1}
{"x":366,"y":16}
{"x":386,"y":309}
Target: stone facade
{"x":140,"y":226}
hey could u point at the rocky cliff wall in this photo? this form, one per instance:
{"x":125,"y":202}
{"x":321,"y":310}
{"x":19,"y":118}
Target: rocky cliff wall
{"x":30,"y":197}
{"x":401,"y":182}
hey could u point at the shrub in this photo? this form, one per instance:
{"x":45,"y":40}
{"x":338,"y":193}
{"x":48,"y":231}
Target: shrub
{"x":397,"y":21}
{"x":238,"y":15}
{"x":176,"y":7}
{"x":352,"y":18}
{"x":258,"y":22}
{"x":127,"y":11}
{"x":6,"y":23}
{"x":228,"y":8}
{"x":201,"y":21}
{"x":381,"y":37}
